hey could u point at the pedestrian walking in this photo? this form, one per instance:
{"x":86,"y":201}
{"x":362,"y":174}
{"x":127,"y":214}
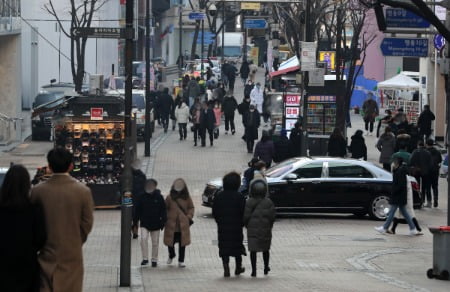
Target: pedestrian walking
{"x":400,"y":121}
{"x":217,"y":114}
{"x":207,"y":124}
{"x":257,"y":97}
{"x":384,"y":122}
{"x":248,"y":89}
{"x":195,"y":113}
{"x":398,"y":218}
{"x":436,"y":160}
{"x":231,"y":74}
{"x":228,"y":211}
{"x":370,"y":109}
{"x":421,"y":163}
{"x":253,"y":69}
{"x":182,"y":117}
{"x":295,"y":140}
{"x":403,"y":141}
{"x":358,"y":146}
{"x":398,"y":199}
{"x":337,"y":146}
{"x":180,"y":214}
{"x":219,"y":93}
{"x":251,"y":121}
{"x":265,"y":149}
{"x":229,"y":107}
{"x":282,"y":147}
{"x":259,"y":217}
{"x":23,"y":227}
{"x":139,"y":179}
{"x":193,"y":90}
{"x":152,"y":214}
{"x":166,"y":107}
{"x":402,"y":153}
{"x":68,"y":211}
{"x":249,"y":174}
{"x":426,"y":117}
{"x":244,"y":71}
{"x":386,"y":146}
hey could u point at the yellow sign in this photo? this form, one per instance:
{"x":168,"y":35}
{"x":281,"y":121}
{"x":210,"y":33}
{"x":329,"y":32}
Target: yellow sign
{"x":328,"y":57}
{"x":250,"y":6}
{"x":254,"y":55}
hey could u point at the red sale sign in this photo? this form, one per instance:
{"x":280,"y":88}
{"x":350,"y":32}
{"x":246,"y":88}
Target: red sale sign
{"x":96,"y":113}
{"x":292,"y":112}
{"x":292,"y":99}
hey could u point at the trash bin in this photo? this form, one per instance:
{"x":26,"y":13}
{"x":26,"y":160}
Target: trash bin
{"x":441,"y":253}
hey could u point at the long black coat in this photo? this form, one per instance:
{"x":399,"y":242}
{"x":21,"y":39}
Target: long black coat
{"x":166,"y":104}
{"x":337,"y":147}
{"x":229,"y":105}
{"x":228,"y":211}
{"x":358,"y":147}
{"x":295,"y":140}
{"x":399,"y":184}
{"x":151,"y":211}
{"x":207,"y":119}
{"x":282,"y":149}
{"x":245,"y":69}
{"x":251,"y":122}
{"x":24,"y":234}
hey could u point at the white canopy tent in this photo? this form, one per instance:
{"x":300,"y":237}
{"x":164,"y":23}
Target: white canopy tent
{"x":399,"y":82}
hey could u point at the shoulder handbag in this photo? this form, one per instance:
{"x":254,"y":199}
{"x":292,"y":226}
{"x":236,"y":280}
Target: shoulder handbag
{"x":184,"y":212}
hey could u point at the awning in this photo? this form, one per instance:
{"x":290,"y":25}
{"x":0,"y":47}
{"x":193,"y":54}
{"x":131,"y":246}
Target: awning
{"x":286,"y":67}
{"x":399,"y":82}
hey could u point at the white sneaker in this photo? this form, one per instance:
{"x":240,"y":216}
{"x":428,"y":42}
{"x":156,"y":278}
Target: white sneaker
{"x":181,"y":265}
{"x":414,"y":232}
{"x":380,"y":229}
{"x":169,"y":261}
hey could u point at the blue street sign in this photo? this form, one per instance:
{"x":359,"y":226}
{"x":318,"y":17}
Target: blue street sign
{"x":197,"y":16}
{"x":417,"y":47}
{"x":439,"y":42}
{"x":255,"y":23}
{"x":398,"y":17}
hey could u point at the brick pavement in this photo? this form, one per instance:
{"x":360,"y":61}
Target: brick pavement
{"x":309,"y":252}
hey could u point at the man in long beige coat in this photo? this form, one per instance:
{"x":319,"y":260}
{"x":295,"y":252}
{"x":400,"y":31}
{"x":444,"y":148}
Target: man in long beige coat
{"x":68,"y":209}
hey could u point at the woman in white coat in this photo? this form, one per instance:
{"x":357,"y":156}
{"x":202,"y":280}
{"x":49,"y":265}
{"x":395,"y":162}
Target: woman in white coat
{"x":182,"y":117}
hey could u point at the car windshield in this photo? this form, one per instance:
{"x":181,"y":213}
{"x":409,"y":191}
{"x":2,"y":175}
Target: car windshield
{"x":138,"y":101}
{"x":232,"y":51}
{"x":44,"y":98}
{"x":280,"y":169}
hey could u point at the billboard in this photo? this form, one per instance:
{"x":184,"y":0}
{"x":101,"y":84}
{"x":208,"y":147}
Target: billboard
{"x":328,"y":57}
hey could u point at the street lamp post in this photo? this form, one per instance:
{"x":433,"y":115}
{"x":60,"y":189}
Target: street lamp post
{"x":180,"y":40}
{"x":148,"y":49}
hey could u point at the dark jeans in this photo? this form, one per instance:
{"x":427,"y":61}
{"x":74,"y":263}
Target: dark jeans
{"x":226,"y":260}
{"x":197,"y":134}
{"x":231,"y":84}
{"x":250,"y":144}
{"x":229,"y":122}
{"x":181,"y":249}
{"x":203,"y":135}
{"x":425,"y":183}
{"x":387,"y":166}
{"x":266,"y":256}
{"x":367,"y":123}
{"x":165,"y":121}
{"x":182,"y":127}
{"x":434,"y":182}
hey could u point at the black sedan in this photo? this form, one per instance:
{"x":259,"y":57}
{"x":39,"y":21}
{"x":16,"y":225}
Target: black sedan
{"x":327,"y":185}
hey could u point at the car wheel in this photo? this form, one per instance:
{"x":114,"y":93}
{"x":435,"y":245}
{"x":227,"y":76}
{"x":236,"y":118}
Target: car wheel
{"x":378,"y":206}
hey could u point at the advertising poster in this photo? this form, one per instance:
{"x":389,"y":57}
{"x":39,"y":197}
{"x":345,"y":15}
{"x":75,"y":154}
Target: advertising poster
{"x":329,"y":58}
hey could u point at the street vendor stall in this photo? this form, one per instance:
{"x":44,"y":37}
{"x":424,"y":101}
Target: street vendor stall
{"x":401,"y":91}
{"x":92,"y":129}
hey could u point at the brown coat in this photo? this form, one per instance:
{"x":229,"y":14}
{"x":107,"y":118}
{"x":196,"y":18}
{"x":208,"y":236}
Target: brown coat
{"x":68,"y":209}
{"x":174,"y":212}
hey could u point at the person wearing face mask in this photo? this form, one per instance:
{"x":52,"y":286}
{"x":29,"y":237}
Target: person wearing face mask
{"x":152,"y":215}
{"x":251,"y":121}
{"x":398,"y":199}
{"x":207,"y":124}
{"x":180,"y":212}
{"x":257,"y":97}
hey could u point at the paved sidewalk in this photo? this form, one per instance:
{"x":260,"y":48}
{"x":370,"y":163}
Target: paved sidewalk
{"x":309,"y":252}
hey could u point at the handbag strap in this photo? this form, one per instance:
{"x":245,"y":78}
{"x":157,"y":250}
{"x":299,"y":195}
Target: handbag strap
{"x":181,"y":208}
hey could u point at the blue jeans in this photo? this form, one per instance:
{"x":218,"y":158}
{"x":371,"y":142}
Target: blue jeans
{"x":404,"y":213}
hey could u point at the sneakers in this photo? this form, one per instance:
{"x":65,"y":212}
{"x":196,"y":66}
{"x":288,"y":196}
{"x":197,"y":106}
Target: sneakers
{"x":414,"y":232}
{"x":144,"y":263}
{"x":380,"y":229}
{"x":169,"y":261}
{"x":181,"y":265}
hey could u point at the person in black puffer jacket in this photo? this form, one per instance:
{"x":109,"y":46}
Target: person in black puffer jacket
{"x":358,"y":146}
{"x":138,"y":189}
{"x":282,"y":147}
{"x":151,"y":213}
{"x":265,"y":149}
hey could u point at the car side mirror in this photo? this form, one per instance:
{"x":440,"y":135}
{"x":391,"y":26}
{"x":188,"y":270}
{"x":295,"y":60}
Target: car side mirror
{"x":291,"y":176}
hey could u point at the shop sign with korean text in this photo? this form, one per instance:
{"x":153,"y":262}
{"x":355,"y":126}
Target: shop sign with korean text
{"x":96,"y":114}
{"x":292,"y":112}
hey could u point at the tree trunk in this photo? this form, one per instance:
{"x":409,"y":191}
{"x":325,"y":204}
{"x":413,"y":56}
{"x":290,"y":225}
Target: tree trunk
{"x":194,"y":40}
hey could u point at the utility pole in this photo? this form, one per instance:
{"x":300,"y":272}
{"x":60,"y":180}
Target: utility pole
{"x":148,"y":53}
{"x":180,"y":40}
{"x":126,"y":180}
